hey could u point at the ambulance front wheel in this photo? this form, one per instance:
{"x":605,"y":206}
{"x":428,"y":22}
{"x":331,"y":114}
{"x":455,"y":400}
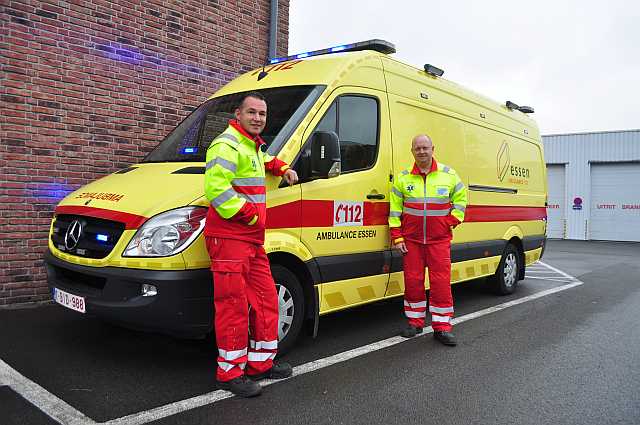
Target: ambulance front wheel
{"x":290,"y":307}
{"x":505,"y":280}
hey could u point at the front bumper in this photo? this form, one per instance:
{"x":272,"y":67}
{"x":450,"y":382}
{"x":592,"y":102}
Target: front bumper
{"x":182,"y":307}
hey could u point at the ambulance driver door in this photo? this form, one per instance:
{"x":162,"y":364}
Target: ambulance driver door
{"x":344,"y":217}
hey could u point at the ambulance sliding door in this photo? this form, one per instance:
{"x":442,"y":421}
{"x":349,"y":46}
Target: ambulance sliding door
{"x":344,"y":218}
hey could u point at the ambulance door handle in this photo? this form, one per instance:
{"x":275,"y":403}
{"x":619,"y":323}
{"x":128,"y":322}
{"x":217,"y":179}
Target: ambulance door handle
{"x":375,"y":196}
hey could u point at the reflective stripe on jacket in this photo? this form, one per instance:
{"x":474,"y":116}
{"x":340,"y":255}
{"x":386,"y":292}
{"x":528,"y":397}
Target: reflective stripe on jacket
{"x":423,"y":208}
{"x":234,"y":184}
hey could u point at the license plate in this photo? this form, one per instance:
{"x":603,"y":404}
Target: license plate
{"x":68,"y":300}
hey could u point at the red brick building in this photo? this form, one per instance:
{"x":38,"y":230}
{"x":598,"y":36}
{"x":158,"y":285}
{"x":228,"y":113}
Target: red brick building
{"x":89,"y":87}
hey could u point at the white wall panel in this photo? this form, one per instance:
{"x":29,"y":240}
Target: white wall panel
{"x":556,"y":203}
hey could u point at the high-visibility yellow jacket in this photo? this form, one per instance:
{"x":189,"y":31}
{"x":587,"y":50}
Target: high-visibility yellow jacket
{"x":424,"y":208}
{"x":234,"y":185}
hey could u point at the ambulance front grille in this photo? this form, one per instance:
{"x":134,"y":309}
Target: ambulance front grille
{"x":97,"y":237}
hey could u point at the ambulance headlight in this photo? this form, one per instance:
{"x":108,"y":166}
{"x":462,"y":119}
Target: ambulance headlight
{"x":168,"y":233}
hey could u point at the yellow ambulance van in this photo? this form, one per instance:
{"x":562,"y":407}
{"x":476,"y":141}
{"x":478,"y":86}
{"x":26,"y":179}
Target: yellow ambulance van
{"x":128,"y":247}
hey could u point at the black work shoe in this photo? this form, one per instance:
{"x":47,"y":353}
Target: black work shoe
{"x":410,"y":332}
{"x":444,"y":337}
{"x":278,"y":371}
{"x":241,"y":386}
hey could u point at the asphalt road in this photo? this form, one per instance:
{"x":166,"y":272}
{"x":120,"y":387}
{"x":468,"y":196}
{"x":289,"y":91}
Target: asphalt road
{"x":542,"y":357}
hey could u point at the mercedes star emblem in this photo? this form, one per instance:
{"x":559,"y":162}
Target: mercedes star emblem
{"x":72,"y":237}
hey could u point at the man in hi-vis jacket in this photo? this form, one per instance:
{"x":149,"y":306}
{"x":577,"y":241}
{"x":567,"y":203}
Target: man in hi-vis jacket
{"x":427,"y":201}
{"x":234,"y":233}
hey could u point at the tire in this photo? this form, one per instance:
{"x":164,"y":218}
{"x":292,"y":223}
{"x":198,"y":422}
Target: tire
{"x":290,"y":307}
{"x":505,"y":281}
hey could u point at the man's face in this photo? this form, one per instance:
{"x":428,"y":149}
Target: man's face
{"x":422,"y":150}
{"x":252,"y":115}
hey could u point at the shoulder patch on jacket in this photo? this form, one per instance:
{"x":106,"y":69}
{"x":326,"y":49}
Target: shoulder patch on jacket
{"x":227,"y":139}
{"x":446,"y":169}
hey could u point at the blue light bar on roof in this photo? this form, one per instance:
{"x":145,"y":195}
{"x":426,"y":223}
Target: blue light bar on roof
{"x":376,"y":45}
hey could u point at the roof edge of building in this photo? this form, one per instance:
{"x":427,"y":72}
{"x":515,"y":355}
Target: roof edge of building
{"x":591,"y":132}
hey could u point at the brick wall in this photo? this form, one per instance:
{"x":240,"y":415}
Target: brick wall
{"x":89,"y":87}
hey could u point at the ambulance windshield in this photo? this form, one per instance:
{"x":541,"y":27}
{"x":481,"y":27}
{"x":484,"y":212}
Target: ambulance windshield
{"x":188,"y":142}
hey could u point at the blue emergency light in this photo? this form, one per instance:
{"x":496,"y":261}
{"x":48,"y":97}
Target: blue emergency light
{"x":376,"y":45}
{"x":189,"y":151}
{"x":102,"y":238}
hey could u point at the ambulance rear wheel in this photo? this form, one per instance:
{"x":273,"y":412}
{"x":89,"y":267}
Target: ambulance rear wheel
{"x":290,"y":307}
{"x":505,"y":280}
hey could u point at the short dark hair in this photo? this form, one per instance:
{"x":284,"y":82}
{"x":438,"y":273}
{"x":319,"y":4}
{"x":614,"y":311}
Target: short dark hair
{"x":254,"y":94}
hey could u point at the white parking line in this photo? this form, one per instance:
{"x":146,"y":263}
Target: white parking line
{"x":560,"y":272}
{"x":174,"y":408}
{"x":553,"y":279}
{"x":65,"y":414}
{"x":52,"y":406}
{"x":543,"y":271}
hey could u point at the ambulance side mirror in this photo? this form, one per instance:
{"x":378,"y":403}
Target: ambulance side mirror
{"x":325,"y":155}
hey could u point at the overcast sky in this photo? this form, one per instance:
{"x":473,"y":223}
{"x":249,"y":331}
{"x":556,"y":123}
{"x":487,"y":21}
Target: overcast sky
{"x":577,"y":62}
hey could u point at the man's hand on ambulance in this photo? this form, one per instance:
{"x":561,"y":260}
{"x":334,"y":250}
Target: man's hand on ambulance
{"x":401,"y":246}
{"x":290,"y":176}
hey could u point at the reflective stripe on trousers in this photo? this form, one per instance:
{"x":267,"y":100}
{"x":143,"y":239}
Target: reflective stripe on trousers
{"x":435,"y":256}
{"x":242,"y":277}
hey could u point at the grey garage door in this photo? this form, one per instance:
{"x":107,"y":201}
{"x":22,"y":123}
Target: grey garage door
{"x":615,"y":202}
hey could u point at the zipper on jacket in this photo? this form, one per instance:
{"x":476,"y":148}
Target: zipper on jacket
{"x":424,"y":210}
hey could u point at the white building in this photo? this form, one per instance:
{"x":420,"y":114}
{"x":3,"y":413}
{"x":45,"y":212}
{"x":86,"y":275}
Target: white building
{"x":594,"y":185}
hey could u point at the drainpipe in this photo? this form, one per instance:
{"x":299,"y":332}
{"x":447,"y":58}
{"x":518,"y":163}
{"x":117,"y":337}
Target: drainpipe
{"x":273,"y":29}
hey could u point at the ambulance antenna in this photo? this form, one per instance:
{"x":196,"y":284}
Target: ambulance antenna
{"x":263,"y":73}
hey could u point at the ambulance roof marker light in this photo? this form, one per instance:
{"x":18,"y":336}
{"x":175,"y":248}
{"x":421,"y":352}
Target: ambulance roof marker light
{"x":510,"y":105}
{"x":376,"y":45}
{"x":433,"y":70}
{"x":524,"y":109}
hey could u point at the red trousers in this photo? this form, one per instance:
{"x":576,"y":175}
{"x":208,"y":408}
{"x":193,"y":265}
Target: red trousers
{"x":437,"y":258}
{"x":242,"y":278}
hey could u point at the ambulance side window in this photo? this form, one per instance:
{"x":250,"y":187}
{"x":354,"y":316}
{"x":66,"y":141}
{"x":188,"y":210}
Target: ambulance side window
{"x":355,"y":120}
{"x":328,"y":122}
